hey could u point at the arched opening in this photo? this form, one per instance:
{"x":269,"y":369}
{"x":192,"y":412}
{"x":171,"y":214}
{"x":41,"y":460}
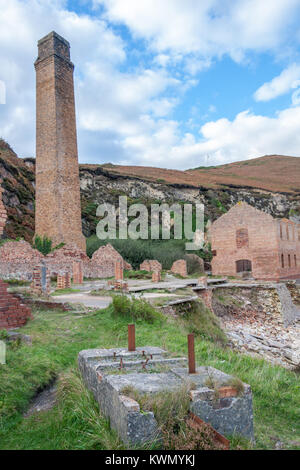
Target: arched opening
{"x":243,"y":265}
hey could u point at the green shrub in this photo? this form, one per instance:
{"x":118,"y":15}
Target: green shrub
{"x":134,"y":309}
{"x":17,"y":282}
{"x":136,"y":251}
{"x":44,"y":245}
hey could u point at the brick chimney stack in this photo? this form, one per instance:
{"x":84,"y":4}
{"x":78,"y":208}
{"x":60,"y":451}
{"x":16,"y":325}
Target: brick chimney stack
{"x":58,"y":209}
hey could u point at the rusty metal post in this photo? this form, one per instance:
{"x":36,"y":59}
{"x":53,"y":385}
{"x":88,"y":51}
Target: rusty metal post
{"x":191,"y":352}
{"x":131,"y":337}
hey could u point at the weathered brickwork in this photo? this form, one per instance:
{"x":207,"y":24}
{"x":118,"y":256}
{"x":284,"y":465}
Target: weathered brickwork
{"x":150,"y":265}
{"x":206,"y":296}
{"x":105,"y":258}
{"x":246,"y":239}
{"x":156,"y":276}
{"x":63,"y":281}
{"x":18,"y":260}
{"x":40,"y":280}
{"x":58,"y":208}
{"x":3,"y":214}
{"x":61,"y":260}
{"x":119,"y":273}
{"x":77,"y":272}
{"x":12,"y":312}
{"x":179,"y":267}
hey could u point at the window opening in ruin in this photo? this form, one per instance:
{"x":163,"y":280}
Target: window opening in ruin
{"x":243,"y":265}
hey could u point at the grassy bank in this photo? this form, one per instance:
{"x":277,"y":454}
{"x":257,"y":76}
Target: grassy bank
{"x":75,"y":421}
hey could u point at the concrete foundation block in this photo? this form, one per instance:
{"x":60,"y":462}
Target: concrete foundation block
{"x":149,"y":370}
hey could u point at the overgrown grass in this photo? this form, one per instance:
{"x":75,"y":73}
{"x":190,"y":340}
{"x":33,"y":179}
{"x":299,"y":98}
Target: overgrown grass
{"x":137,"y":274}
{"x":68,"y":290}
{"x":171,"y":410}
{"x":198,"y":319}
{"x":134,"y":309}
{"x":75,"y":421}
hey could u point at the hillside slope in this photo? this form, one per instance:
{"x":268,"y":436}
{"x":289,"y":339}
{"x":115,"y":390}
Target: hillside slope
{"x":268,"y":183}
{"x":274,"y":173}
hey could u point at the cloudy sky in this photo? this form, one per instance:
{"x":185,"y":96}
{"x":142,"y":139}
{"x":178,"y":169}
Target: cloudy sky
{"x":169,"y":83}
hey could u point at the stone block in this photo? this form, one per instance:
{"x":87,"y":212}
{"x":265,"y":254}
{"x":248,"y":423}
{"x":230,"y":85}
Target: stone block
{"x":148,"y":370}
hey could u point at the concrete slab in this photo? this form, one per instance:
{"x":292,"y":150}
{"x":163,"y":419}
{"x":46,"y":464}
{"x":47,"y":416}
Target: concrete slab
{"x":149,"y":370}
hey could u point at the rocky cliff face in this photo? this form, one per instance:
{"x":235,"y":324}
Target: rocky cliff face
{"x":18,"y":195}
{"x":99,"y":185}
{"x":103,"y":184}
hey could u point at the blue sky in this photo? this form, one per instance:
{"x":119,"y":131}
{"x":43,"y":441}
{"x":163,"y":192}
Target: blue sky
{"x":162,"y":83}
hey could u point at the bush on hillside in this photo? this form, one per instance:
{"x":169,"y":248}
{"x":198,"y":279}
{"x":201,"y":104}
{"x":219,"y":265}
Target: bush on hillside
{"x":134,"y":309}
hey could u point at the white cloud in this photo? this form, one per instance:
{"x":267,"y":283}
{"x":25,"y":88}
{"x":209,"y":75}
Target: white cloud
{"x":296,"y":97}
{"x":246,"y":136}
{"x":2,"y":92}
{"x":206,"y":28}
{"x":124,"y":116}
{"x":21,"y":25}
{"x":288,"y":79}
{"x":111,"y":105}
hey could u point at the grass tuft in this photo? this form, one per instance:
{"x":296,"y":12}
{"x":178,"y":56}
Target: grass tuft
{"x":171,"y":411}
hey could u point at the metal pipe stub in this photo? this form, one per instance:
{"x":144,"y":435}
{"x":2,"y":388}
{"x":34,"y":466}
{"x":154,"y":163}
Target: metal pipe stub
{"x":191,"y":354}
{"x":131,"y":337}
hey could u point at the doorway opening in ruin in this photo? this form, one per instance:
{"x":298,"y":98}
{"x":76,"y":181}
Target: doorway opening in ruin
{"x":243,"y":266}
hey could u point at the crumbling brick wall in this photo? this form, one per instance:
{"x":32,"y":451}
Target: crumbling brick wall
{"x":41,"y":280}
{"x":13,"y":313}
{"x":103,"y":262}
{"x":18,"y":259}
{"x":63,"y":281}
{"x":61,"y":260}
{"x":156,"y":276}
{"x":206,"y":296}
{"x":77,"y":272}
{"x":150,"y":265}
{"x":179,"y":267}
{"x":119,"y":272}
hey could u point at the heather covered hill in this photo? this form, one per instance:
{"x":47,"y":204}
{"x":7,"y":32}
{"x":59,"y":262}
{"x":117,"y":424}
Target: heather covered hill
{"x":270,"y":183}
{"x":271,"y":172}
{"x":274,"y":173}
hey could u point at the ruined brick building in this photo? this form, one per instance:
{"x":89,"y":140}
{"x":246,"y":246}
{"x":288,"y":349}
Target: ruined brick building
{"x":246,"y":240}
{"x":58,"y":208}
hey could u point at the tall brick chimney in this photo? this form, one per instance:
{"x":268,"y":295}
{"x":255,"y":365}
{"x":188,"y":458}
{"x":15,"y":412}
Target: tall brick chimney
{"x":58,"y":209}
